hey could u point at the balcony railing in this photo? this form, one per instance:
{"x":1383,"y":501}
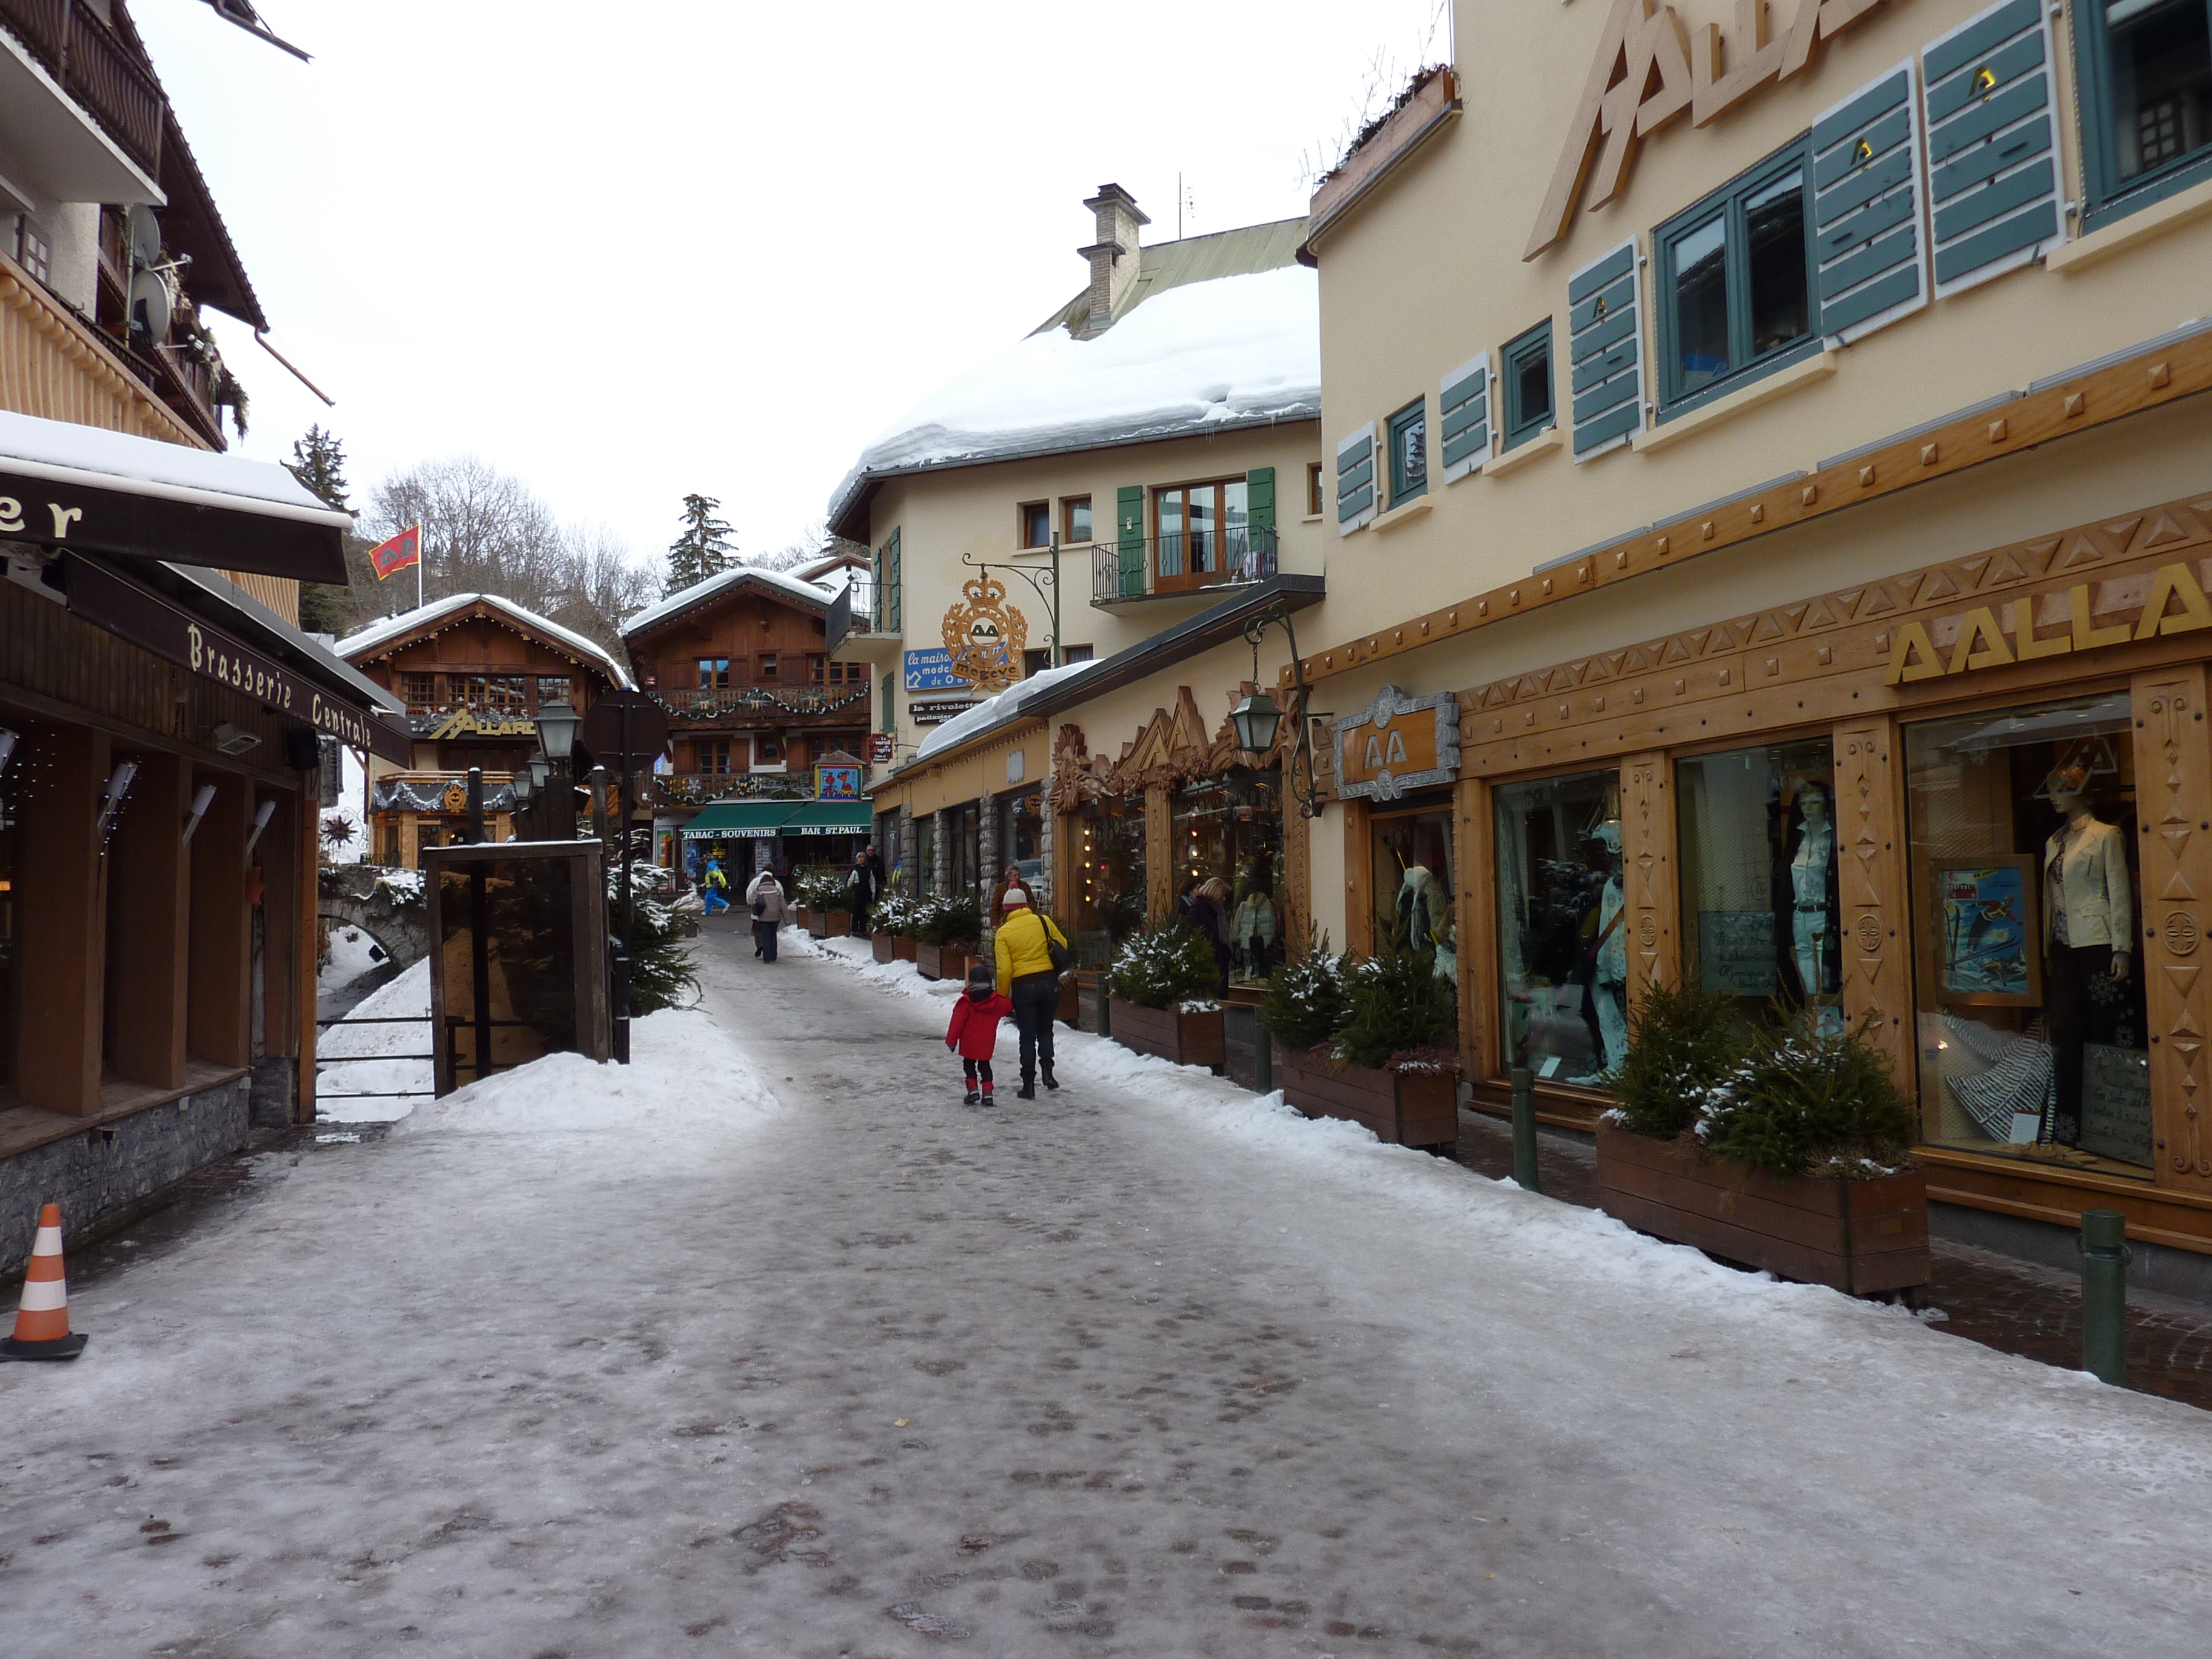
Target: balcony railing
{"x":853,"y":610}
{"x":796,"y":699}
{"x":1193,"y":561}
{"x":93,"y":66}
{"x":700,"y":788}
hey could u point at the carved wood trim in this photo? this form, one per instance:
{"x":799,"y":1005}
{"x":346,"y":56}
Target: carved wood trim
{"x":2145,"y":381}
{"x":1159,"y":855}
{"x":1297,"y":875}
{"x":1650,"y":887}
{"x":1873,"y":882}
{"x":1359,"y":879}
{"x":2173,"y":807}
{"x":1474,"y":856}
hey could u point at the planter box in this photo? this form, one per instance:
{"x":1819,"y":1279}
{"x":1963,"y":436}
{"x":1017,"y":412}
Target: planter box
{"x":1859,"y":1237}
{"x":943,"y":961}
{"x":1186,"y":1039}
{"x":801,"y":918}
{"x":1405,"y":1108}
{"x":830,"y":924}
{"x":816,"y":922}
{"x":885,"y":946}
{"x":904,"y":949}
{"x":1070,"y":1011}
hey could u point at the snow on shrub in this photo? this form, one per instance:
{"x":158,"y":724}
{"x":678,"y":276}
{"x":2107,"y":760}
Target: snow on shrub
{"x":1166,"y":966}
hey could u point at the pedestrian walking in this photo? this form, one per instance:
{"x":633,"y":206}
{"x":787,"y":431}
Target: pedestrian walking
{"x":1011,"y":882}
{"x":865,"y":882}
{"x":974,"y":1033}
{"x":765,"y":899}
{"x":716,"y":897}
{"x":1032,"y":953}
{"x":1208,"y":914}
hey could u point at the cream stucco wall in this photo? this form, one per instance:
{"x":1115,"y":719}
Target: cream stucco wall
{"x":1429,"y":272}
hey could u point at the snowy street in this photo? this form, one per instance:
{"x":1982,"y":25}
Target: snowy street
{"x":769,"y":1347}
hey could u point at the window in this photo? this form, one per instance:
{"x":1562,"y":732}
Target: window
{"x":1074,"y":653}
{"x":767,"y":669}
{"x":1734,"y":284}
{"x":714,"y":755}
{"x":508,"y":693}
{"x":1409,"y":452}
{"x":468,"y":690}
{"x":1411,"y":848}
{"x":1528,"y":385}
{"x":2147,"y":96}
{"x":1075,"y":519}
{"x":1314,"y":496}
{"x":768,"y":751}
{"x":1201,"y":532}
{"x":818,"y":668}
{"x":1037,"y":524}
{"x":714,"y":673}
{"x":552,"y":688}
{"x":421,"y":690}
{"x":1561,"y":926}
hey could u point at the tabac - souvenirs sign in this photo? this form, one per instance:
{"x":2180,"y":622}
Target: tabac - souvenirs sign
{"x":1649,"y":70}
{"x":1398,"y":743}
{"x":2055,"y":623}
{"x":984,"y":636}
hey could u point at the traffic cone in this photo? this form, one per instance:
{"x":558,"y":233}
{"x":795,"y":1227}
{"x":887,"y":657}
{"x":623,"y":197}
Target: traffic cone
{"x":42,"y":1327}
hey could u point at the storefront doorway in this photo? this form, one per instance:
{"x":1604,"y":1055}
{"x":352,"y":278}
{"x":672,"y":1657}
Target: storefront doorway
{"x":1563,"y":972}
{"x":1232,"y":826}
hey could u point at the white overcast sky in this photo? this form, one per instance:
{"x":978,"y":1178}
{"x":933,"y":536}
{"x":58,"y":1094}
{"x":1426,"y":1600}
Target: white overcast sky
{"x":627,"y":252}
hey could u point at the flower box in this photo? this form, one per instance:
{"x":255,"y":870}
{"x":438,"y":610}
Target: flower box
{"x":840,"y":924}
{"x":802,"y":918}
{"x":1188,"y":1039}
{"x":1859,"y":1236}
{"x":905,"y":949}
{"x":885,"y":945}
{"x":1405,"y":1108}
{"x":943,"y":961}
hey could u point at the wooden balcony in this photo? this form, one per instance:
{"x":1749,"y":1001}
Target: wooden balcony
{"x":55,"y":366}
{"x":746,"y":706}
{"x":93,"y":65}
{"x":700,"y":788}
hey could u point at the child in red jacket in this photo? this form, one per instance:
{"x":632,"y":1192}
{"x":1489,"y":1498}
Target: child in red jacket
{"x":974,"y":1032}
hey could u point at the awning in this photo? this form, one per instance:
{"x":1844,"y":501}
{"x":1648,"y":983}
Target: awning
{"x":760,"y":820}
{"x":66,"y":486}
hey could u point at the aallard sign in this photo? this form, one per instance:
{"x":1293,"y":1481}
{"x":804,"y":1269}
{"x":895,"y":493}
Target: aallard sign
{"x":1396,"y":743}
{"x":2055,"y":623}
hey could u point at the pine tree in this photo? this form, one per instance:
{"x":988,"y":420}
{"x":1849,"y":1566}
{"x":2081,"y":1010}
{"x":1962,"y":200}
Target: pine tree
{"x":319,"y":462}
{"x":703,"y":550}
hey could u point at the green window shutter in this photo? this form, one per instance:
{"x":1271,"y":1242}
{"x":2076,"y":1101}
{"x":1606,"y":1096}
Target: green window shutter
{"x":1129,"y":537}
{"x":897,"y":599}
{"x":1463,"y":422}
{"x":1992,"y":172}
{"x":1605,"y":352}
{"x":1260,"y":517}
{"x":1866,"y":209}
{"x":1355,"y":479}
{"x":887,"y":721}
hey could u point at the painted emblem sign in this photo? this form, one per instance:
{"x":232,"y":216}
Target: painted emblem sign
{"x":1396,"y":743}
{"x":984,"y":636}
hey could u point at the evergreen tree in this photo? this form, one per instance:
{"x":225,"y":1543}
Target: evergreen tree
{"x":319,"y":462}
{"x":703,"y":550}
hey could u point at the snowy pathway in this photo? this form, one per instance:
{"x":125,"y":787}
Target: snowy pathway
{"x":672,"y":1361}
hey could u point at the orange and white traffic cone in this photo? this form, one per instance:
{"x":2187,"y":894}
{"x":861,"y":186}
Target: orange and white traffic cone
{"x":42,"y":1327}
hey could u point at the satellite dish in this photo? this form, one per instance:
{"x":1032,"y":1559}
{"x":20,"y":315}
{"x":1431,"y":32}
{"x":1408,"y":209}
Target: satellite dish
{"x":152,"y":304}
{"x":145,"y":236}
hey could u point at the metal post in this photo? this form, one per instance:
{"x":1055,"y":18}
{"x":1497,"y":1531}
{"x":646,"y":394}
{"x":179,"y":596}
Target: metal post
{"x":1105,"y":1008}
{"x":1263,"y":1058}
{"x":619,"y":1045}
{"x":476,"y":818}
{"x":2105,"y":1257}
{"x":1524,"y":1130}
{"x":1056,"y":658}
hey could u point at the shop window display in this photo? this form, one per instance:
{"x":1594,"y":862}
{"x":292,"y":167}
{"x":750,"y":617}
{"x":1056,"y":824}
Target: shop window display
{"x":1021,"y":833}
{"x":1232,"y":826}
{"x":2024,"y":891}
{"x":1560,"y":917}
{"x":1109,"y":902}
{"x":1413,"y":881}
{"x":1759,"y":897}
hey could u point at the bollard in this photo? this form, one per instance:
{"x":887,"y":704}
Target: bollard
{"x":1524,"y":1129}
{"x":1263,"y":1059}
{"x":2104,"y":1258}
{"x":1105,"y":1012}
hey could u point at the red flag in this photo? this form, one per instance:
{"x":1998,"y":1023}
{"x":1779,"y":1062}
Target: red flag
{"x":402,"y":551}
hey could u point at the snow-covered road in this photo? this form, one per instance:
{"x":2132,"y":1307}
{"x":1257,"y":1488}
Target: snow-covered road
{"x":769,"y":1346}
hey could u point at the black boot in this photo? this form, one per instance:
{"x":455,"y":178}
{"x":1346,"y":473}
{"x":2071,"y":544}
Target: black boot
{"x":1051,"y":1082}
{"x":972,"y":1098}
{"x":1027,"y":1091}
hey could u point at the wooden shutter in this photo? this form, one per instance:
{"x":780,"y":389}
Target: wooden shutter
{"x":1463,"y":422}
{"x":1355,"y":480}
{"x":1129,"y":533}
{"x":888,"y":720}
{"x":1866,"y":209}
{"x":1260,"y":516}
{"x":1992,"y":157}
{"x":1605,"y":352}
{"x":897,"y":606}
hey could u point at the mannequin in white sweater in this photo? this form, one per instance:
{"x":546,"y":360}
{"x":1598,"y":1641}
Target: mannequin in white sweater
{"x":2088,"y":935}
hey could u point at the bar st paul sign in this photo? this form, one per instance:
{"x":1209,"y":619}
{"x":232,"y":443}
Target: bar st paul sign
{"x":1398,"y":743}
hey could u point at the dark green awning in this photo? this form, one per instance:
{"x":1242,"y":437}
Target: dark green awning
{"x":738,"y":820}
{"x":829,"y":818}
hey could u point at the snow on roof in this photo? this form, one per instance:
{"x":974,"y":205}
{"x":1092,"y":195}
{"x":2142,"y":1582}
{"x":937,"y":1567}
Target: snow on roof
{"x":91,"y":455}
{"x":1236,"y":350}
{"x":408,"y":622}
{"x":1004,"y":707}
{"x":652,"y":615}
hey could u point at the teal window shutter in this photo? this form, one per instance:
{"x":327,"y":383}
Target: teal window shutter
{"x":1129,"y":534}
{"x":1260,"y":517}
{"x":888,"y":721}
{"x":1872,"y":261}
{"x":1992,"y":161}
{"x":1463,"y":422}
{"x":1355,"y":480}
{"x":897,"y":605}
{"x":1605,"y":356}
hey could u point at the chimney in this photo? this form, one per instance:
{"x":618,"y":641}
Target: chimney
{"x":1115,"y":256}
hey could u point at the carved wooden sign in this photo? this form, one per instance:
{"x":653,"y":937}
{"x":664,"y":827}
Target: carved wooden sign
{"x":1649,"y":70}
{"x":2172,"y":602}
{"x":984,"y":636}
{"x":1398,"y":743}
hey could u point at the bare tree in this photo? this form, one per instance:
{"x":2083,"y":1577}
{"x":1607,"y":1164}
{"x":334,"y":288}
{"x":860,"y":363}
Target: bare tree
{"x":811,"y":544}
{"x":483,"y":532}
{"x":606,"y":582}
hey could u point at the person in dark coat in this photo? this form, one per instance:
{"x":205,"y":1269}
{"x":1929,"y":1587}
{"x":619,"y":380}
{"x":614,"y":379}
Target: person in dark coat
{"x":866,"y":881}
{"x":1208,"y":915}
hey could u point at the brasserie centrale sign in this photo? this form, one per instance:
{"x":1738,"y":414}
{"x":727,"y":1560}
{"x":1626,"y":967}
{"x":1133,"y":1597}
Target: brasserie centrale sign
{"x":2055,"y":624}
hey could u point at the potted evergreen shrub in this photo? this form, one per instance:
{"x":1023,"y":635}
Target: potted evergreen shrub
{"x":887,"y":922}
{"x":1782,"y":1145}
{"x":829,"y":912}
{"x":946,"y":929}
{"x":1162,"y":987}
{"x":1390,"y":1057}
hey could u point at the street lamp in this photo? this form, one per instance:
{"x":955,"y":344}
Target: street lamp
{"x":526,"y":826}
{"x":1256,"y":720}
{"x":557,"y":734}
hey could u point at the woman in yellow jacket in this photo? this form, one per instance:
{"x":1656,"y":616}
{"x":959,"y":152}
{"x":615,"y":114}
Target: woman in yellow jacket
{"x":1027,"y":976}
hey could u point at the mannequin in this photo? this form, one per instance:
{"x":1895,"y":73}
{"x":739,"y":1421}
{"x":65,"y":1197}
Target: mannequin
{"x":2088,"y":935}
{"x":1810,"y":868}
{"x":1254,"y":928}
{"x":1610,"y":991}
{"x":1425,"y":909}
